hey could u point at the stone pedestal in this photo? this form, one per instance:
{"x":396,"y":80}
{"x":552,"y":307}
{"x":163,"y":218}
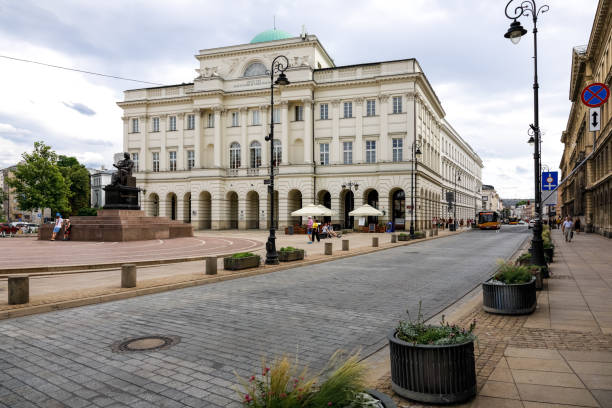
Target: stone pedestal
{"x":128,"y":276}
{"x":328,"y":248}
{"x":211,"y":265}
{"x":345,"y":244}
{"x":374,"y":241}
{"x":18,"y":289}
{"x":393,"y":238}
{"x":121,"y":198}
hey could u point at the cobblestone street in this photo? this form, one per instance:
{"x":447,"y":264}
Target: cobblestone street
{"x":64,"y":358}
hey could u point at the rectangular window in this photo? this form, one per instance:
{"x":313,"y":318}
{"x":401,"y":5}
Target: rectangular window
{"x":135,"y":125}
{"x":190,"y":159}
{"x":276,"y":114}
{"x":324,"y":109}
{"x":235,"y":119}
{"x":398,"y":150}
{"x":371,"y":107}
{"x":255,"y":117}
{"x":347,"y":152}
{"x":324,"y":152}
{"x":371,"y":151}
{"x":155,"y":161}
{"x":135,"y":160}
{"x":191,"y":122}
{"x":172,"y":123}
{"x":397,"y":104}
{"x":299,"y":112}
{"x":156,"y":124}
{"x":211,"y":120}
{"x":348,"y":109}
{"x":172,"y":157}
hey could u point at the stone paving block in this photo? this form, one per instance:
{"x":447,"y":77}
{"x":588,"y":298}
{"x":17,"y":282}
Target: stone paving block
{"x":599,"y":356}
{"x":604,"y":397}
{"x":538,"y":364}
{"x":490,"y":402}
{"x":499,"y":390}
{"x":532,"y":353}
{"x":558,"y":395}
{"x":547,"y":378}
{"x":591,"y":367}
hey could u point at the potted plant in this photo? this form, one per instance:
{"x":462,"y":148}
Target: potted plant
{"x":284,"y":385}
{"x":511,"y":291}
{"x":403,"y":237}
{"x":241,"y":260}
{"x":288,"y":254}
{"x":432,"y":364}
{"x":524,"y":259}
{"x":419,"y":235}
{"x":549,"y":248}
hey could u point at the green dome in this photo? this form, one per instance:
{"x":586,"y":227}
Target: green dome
{"x":270,"y":35}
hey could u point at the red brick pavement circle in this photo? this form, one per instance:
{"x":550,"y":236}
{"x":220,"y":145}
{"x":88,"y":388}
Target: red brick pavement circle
{"x":29,"y":253}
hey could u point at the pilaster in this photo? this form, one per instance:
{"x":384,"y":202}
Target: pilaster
{"x":218,"y":147}
{"x":358,"y":145}
{"x":163,"y":154}
{"x":308,"y":134}
{"x":383,"y":148}
{"x":335,"y":145}
{"x":285,"y":131}
{"x":144,"y":147}
{"x":244,"y":151}
{"x":197,"y":138}
{"x":180,"y":150}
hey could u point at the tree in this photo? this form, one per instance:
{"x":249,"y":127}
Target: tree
{"x":38,"y":182}
{"x":78,"y":178}
{"x":3,"y":197}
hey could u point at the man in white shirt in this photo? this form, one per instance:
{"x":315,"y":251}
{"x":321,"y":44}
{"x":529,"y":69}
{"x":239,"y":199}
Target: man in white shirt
{"x":567,"y":229}
{"x":59,"y":221}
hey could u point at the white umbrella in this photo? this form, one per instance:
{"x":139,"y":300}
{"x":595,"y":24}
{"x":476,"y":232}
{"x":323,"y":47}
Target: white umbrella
{"x":365,"y":210}
{"x":328,"y":211}
{"x":312,"y":210}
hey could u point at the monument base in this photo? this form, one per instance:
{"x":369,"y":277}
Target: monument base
{"x":120,"y":225}
{"x":121,"y":198}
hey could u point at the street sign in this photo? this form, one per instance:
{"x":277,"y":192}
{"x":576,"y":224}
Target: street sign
{"x":550,"y":180}
{"x":595,"y":119}
{"x":595,"y":95}
{"x":267,"y":181}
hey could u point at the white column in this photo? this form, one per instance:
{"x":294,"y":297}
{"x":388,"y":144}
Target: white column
{"x":197,"y":138}
{"x":244,"y":151}
{"x":308,"y":134}
{"x":265,"y":129}
{"x":358,"y":145}
{"x":242,"y":213}
{"x":217,"y":140}
{"x":144,"y":148}
{"x":180,"y":150}
{"x":383,"y":141}
{"x":335,"y":145}
{"x":126,"y":131}
{"x":163,"y":154}
{"x":285,"y":131}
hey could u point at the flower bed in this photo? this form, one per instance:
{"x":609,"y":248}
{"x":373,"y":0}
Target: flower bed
{"x":289,"y":254}
{"x":242,"y":260}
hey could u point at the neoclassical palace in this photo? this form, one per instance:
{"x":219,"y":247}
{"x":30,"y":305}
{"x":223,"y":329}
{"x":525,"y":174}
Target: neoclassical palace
{"x":586,"y":164}
{"x":344,"y":136}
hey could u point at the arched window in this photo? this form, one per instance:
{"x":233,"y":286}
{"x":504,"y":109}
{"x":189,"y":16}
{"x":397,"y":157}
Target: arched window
{"x":255,"y":155}
{"x":277,"y":156}
{"x":234,"y":155}
{"x":255,"y":69}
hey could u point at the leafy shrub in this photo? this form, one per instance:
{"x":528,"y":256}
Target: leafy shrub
{"x":242,"y":255}
{"x":284,"y":385}
{"x":509,"y":273}
{"x":403,"y":234}
{"x":524,"y":259}
{"x":288,"y":249}
{"x":417,"y":332}
{"x":87,"y":212}
{"x":419,"y":234}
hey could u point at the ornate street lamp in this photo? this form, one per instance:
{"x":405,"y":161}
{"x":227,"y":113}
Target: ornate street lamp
{"x":416,"y":153}
{"x":279,"y":65}
{"x":515,"y":32}
{"x":350,"y":185}
{"x":457,"y":178}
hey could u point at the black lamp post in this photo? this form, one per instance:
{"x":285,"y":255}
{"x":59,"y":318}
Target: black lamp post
{"x":514,"y":33}
{"x":457,"y":178}
{"x":279,"y":65}
{"x":416,"y":153}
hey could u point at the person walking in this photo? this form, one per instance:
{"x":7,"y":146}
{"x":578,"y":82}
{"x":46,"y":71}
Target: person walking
{"x":309,"y":229}
{"x":315,"y":230}
{"x":577,"y":225}
{"x":567,"y":229}
{"x":58,"y":225}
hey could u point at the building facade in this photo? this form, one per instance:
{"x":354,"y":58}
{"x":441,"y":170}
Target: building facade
{"x":586,"y":191}
{"x":343,"y":136}
{"x":99,"y":179}
{"x":490,"y":198}
{"x":10,"y":207}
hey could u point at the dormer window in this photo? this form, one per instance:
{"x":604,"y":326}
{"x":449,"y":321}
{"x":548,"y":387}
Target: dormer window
{"x":255,"y":69}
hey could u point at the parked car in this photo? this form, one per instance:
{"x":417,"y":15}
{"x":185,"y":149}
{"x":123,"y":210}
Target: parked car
{"x":531,"y":224}
{"x":8,"y":229}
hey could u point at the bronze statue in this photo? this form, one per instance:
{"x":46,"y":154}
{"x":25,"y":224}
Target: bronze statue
{"x":124,"y":170}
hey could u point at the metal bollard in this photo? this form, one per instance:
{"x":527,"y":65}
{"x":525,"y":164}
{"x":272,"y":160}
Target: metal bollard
{"x":18,"y":289}
{"x":211,"y":265}
{"x":374,"y":241}
{"x":345,"y":244}
{"x":393,"y":238}
{"x":328,"y":248}
{"x":436,"y":232}
{"x":128,"y":276}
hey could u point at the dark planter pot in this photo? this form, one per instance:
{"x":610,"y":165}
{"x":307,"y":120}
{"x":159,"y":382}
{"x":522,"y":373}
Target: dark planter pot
{"x":549,"y":252}
{"x":515,"y":299}
{"x":430,"y":373}
{"x":234,"y":264}
{"x":383,"y":398}
{"x":286,"y":256}
{"x":403,"y":237}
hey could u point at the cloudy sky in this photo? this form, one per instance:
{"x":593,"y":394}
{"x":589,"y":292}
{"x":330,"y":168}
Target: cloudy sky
{"x":483,"y":81}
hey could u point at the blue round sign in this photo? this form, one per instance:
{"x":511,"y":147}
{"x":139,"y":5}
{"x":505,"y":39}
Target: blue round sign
{"x":595,"y":95}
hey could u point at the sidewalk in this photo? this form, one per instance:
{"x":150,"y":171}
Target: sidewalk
{"x":558,"y":357}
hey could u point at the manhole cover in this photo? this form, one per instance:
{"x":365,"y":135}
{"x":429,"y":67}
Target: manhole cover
{"x":147,"y":343}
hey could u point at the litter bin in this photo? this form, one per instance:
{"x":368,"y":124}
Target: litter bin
{"x":390,"y":227}
{"x":290,"y":230}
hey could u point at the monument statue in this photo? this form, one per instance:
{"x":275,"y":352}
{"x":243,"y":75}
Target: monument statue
{"x":122,"y":193}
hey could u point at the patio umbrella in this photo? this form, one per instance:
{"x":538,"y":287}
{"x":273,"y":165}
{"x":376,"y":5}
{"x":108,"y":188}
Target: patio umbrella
{"x":328,"y":211}
{"x":365,"y":210}
{"x":312,"y":210}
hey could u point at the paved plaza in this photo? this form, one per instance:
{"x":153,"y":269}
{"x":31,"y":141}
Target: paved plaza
{"x":64,"y":358}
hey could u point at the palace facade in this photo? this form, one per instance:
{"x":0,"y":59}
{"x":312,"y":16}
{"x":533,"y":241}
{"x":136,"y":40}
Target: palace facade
{"x":586,"y":164}
{"x":344,"y":136}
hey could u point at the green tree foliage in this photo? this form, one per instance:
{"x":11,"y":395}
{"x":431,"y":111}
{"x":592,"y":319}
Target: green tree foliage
{"x":77,"y":177}
{"x":38,"y":182}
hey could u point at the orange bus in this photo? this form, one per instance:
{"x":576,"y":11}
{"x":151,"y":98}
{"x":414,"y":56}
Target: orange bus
{"x":489,"y":220}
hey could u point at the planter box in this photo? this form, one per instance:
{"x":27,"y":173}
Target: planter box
{"x":549,"y":253}
{"x":286,"y":256}
{"x":384,"y":399}
{"x":234,"y":264}
{"x":430,"y":373}
{"x":403,"y":237}
{"x":515,"y":299}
